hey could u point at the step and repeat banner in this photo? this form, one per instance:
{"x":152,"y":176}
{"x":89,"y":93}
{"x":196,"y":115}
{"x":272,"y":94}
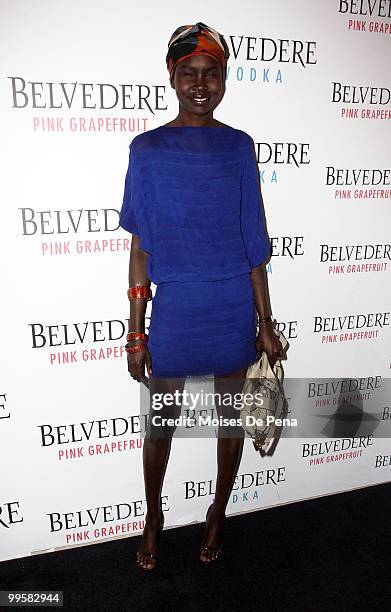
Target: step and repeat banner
{"x":310,"y":82}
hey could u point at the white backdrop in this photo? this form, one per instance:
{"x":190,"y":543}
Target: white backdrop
{"x":71,"y":455}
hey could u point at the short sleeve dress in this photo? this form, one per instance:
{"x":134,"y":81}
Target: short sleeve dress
{"x":192,"y":196}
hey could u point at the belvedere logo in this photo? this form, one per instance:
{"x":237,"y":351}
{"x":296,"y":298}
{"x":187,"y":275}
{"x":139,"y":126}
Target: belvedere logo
{"x":10,"y":514}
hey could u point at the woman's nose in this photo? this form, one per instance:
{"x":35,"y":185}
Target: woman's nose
{"x":200,"y":80}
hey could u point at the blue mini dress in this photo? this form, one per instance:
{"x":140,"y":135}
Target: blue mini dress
{"x":192,"y":196}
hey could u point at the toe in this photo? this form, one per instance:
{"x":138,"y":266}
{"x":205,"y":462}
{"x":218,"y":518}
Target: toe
{"x":144,"y":561}
{"x":208,"y":555}
{"x":205,"y":555}
{"x":149,"y":564}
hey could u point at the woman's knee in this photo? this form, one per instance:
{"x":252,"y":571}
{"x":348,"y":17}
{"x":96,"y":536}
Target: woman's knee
{"x":165,"y":407}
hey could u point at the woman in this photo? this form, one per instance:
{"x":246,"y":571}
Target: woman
{"x":193,"y":204}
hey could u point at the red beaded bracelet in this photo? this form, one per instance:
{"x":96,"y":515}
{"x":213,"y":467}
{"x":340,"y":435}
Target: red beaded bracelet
{"x":135,"y":349}
{"x":137,"y":336}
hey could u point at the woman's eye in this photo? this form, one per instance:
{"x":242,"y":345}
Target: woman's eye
{"x":212,"y":75}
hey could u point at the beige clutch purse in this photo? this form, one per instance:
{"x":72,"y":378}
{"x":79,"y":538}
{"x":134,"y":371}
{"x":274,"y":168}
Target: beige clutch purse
{"x":265,"y":402}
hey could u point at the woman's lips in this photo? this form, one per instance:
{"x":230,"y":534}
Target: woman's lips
{"x":200,"y":101}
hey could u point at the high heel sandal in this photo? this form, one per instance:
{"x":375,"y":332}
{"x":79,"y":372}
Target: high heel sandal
{"x":212,"y":551}
{"x":148,"y":556}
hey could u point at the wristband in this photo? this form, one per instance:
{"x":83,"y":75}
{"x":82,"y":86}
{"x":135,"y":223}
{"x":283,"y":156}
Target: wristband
{"x":268,"y":318}
{"x":141,"y":291}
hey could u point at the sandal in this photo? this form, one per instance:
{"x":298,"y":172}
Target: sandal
{"x":212,"y":552}
{"x":145,"y":558}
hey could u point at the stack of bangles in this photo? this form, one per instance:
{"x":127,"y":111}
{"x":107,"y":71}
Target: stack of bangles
{"x":134,"y":293}
{"x":136,"y":336}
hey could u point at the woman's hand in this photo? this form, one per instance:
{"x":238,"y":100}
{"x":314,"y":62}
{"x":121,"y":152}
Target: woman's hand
{"x":268,"y":341}
{"x":138,"y":361}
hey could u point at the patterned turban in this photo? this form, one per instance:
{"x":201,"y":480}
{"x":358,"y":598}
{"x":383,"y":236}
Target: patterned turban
{"x":196,"y":39}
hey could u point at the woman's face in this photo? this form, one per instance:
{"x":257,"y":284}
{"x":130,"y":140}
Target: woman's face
{"x":199,"y":84}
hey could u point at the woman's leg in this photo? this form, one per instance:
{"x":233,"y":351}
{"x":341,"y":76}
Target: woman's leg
{"x":156,"y":452}
{"x":229,"y":453}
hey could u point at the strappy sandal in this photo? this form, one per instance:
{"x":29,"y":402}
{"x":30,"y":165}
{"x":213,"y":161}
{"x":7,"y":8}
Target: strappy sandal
{"x":148,"y":556}
{"x":212,"y":551}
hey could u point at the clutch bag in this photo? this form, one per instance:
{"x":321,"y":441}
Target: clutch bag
{"x":264,"y":399}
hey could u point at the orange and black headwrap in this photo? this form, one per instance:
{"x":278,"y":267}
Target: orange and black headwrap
{"x":196,"y":39}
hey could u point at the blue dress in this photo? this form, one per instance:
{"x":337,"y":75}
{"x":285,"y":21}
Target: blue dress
{"x":192,"y":196}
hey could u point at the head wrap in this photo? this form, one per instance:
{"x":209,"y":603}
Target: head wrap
{"x":196,"y":39}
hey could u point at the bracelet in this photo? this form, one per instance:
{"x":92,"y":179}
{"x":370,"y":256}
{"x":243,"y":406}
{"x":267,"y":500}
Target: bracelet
{"x":141,"y":291}
{"x":137,"y":336}
{"x":135,"y":349}
{"x":268,"y":318}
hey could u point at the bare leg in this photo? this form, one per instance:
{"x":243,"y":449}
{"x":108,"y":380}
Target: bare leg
{"x":156,"y":452}
{"x":229,"y":453}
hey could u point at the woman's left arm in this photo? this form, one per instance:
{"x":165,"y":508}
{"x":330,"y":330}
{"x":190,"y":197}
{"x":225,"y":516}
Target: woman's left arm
{"x":258,"y":247}
{"x":266,"y":340}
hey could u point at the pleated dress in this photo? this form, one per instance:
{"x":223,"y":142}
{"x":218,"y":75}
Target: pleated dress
{"x":192,"y":196}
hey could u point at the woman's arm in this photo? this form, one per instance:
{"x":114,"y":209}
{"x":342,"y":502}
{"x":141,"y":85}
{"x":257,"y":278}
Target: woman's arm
{"x":266,"y":340}
{"x":261,"y":291}
{"x":257,"y":245}
{"x":138,"y":276}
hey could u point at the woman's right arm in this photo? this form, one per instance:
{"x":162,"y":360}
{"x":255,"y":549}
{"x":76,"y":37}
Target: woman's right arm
{"x":138,"y":276}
